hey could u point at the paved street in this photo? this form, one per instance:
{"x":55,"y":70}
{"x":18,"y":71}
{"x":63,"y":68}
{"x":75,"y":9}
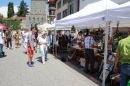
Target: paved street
{"x":15,"y":72}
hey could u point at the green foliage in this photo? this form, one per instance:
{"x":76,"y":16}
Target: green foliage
{"x":1,"y":19}
{"x":22,"y":9}
{"x":12,"y":24}
{"x":86,"y":30}
{"x":10,"y":12}
{"x":116,"y":34}
{"x":73,"y":29}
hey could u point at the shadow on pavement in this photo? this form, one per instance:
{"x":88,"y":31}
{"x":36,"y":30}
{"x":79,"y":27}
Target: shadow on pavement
{"x":74,"y":64}
{"x":39,"y":59}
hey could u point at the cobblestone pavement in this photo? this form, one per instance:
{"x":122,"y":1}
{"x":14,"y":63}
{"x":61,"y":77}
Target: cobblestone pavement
{"x":15,"y":72}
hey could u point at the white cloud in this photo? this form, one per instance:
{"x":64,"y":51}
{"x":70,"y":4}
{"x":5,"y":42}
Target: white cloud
{"x":4,"y":9}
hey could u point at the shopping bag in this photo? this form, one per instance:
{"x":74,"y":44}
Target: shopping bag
{"x":39,"y":51}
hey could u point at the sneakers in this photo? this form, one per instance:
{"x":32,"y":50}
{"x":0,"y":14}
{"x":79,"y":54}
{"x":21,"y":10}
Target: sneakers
{"x":43,"y":63}
{"x":45,"y":59}
{"x":7,"y":48}
{"x":11,"y":48}
{"x":30,"y":65}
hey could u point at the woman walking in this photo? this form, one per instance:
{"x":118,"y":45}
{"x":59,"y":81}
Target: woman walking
{"x":43,"y":41}
{"x":17,"y":38}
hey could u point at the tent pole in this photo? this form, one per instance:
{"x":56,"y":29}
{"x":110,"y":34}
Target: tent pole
{"x":106,"y":44}
{"x":105,"y":54}
{"x":55,"y":42}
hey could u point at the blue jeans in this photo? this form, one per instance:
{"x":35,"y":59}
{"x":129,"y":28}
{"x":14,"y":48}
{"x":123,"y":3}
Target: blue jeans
{"x":125,"y":74}
{"x":46,"y":54}
{"x":1,"y":49}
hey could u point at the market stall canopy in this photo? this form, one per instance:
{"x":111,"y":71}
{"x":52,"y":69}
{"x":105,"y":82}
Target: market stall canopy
{"x":121,"y":12}
{"x":122,"y":23}
{"x":3,"y":26}
{"x":65,"y":27}
{"x":44,"y":26}
{"x":88,"y":14}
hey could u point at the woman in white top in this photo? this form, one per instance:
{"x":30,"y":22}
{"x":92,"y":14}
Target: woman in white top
{"x":80,"y":37}
{"x":43,"y":41}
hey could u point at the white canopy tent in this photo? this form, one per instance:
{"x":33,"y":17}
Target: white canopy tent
{"x":113,"y":13}
{"x":52,"y":27}
{"x":87,"y":14}
{"x":120,"y":12}
{"x":44,"y":26}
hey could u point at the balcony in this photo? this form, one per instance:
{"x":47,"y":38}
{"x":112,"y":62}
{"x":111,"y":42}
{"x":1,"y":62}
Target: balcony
{"x":52,"y":16}
{"x":51,"y":1}
{"x":52,"y":8}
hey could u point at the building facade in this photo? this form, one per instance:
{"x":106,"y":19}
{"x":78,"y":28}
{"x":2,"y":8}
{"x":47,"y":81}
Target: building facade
{"x":52,"y":10}
{"x":84,"y":3}
{"x":37,"y":14}
{"x":66,"y":7}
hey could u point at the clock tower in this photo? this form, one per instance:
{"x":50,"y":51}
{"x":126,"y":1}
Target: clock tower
{"x":38,"y":6}
{"x":37,"y":13}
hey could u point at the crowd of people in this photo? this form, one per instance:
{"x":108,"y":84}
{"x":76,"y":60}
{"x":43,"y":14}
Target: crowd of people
{"x":30,"y":39}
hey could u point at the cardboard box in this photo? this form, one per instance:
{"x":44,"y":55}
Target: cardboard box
{"x":82,"y":62}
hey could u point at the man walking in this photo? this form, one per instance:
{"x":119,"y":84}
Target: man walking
{"x":2,"y":36}
{"x":123,"y":54}
{"x":31,"y":46}
{"x":8,"y":38}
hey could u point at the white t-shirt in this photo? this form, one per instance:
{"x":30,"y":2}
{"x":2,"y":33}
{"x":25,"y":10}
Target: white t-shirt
{"x":39,"y":36}
{"x":1,"y":37}
{"x":22,"y":32}
{"x":26,"y":37}
{"x":43,"y":47}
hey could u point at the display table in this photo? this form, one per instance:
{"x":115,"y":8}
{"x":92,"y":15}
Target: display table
{"x":77,"y":48}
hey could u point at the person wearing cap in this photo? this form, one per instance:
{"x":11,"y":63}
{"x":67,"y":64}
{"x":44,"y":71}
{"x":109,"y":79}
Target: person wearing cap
{"x":89,"y":52}
{"x":2,"y":36}
{"x":43,"y":41}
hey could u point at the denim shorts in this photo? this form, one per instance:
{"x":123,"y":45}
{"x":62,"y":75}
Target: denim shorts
{"x":125,"y":68}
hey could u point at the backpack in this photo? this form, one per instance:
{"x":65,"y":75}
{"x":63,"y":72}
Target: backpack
{"x":65,"y":59}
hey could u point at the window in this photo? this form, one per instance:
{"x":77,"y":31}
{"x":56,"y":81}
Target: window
{"x":69,"y":1}
{"x":64,"y":1}
{"x":59,"y":5}
{"x":64,"y":13}
{"x":71,"y":9}
{"x":58,"y":16}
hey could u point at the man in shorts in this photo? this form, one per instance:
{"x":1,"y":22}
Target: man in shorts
{"x":31,"y":47}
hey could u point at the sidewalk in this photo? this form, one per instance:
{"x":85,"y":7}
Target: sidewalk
{"x":15,"y":72}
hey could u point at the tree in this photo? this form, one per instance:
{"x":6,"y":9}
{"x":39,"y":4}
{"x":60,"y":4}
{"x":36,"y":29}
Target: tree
{"x":1,"y":18}
{"x":73,"y":29}
{"x":10,"y":12}
{"x":116,"y":34}
{"x":22,"y":9}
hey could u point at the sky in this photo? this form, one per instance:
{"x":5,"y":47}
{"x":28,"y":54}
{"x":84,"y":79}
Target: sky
{"x":4,"y":4}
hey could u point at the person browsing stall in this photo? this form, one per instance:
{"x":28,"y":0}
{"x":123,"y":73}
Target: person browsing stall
{"x":89,"y":52}
{"x":80,"y":37}
{"x":123,"y":55}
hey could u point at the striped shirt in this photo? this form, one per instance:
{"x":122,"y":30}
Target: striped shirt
{"x":89,"y":41}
